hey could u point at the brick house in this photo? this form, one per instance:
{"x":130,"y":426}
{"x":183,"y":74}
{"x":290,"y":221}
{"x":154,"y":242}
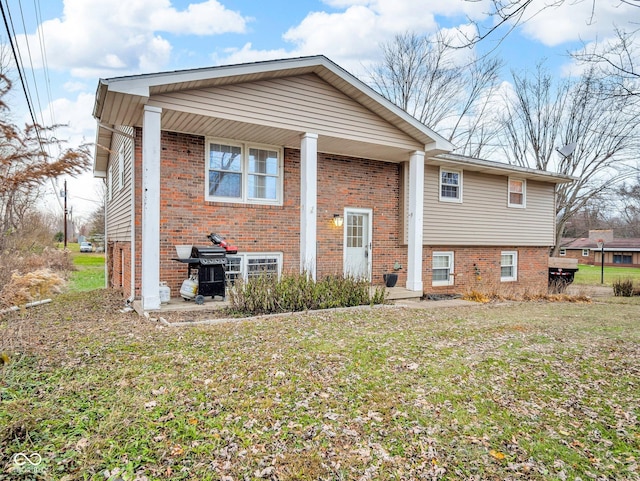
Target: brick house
{"x":617,"y":252}
{"x":269,"y":153}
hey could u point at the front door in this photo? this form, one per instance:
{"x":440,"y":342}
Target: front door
{"x":357,"y":243}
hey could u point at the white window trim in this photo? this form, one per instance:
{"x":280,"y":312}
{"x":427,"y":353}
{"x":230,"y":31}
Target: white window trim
{"x":563,"y":251}
{"x":524,"y":193}
{"x":457,"y":200}
{"x":245,"y":256}
{"x":244,"y":198}
{"x":449,"y":282}
{"x":514,"y":277}
{"x":121,"y":167}
{"x":587,"y":252}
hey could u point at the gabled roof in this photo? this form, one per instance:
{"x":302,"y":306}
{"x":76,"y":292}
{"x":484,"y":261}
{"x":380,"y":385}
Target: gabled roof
{"x":620,"y":244}
{"x":119,"y":100}
{"x":500,"y":168}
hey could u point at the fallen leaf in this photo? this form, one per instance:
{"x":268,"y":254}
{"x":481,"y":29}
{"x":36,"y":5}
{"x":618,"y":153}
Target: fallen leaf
{"x":496,"y":454}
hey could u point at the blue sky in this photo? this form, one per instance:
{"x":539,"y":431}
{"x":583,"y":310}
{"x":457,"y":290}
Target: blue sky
{"x":85,"y":40}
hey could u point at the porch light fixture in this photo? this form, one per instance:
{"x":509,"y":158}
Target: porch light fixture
{"x":338,"y":220}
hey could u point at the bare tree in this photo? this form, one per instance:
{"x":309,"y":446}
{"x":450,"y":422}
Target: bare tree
{"x":541,"y":117}
{"x":28,"y":158}
{"x":629,"y":212}
{"x":426,"y":78}
{"x":617,"y":57}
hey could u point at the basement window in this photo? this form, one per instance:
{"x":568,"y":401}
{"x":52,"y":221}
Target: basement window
{"x":509,"y":266}
{"x":247,"y":266}
{"x":442,"y":269}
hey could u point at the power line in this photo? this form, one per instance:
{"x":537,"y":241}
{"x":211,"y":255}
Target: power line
{"x":33,"y":72}
{"x":45,"y":62}
{"x":20,"y":68}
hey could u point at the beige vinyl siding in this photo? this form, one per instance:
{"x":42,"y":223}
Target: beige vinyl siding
{"x":119,"y":199}
{"x":302,"y":104}
{"x":483,"y":217}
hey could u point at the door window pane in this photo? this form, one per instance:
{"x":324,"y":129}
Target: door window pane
{"x":355,"y":230}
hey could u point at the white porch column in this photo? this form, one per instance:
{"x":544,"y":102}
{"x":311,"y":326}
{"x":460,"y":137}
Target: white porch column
{"x":415,"y":213}
{"x":151,"y":208}
{"x":308,"y":202}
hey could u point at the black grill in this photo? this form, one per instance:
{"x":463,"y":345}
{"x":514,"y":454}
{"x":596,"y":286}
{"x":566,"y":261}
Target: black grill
{"x":211,"y":261}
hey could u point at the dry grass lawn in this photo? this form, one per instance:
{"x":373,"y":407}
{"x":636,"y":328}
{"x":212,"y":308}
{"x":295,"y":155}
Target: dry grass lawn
{"x":535,"y":391}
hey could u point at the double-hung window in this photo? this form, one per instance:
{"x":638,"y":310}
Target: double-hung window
{"x":509,"y":266}
{"x":442,"y":269}
{"x":246,"y":266}
{"x":517,"y":193}
{"x":450,"y":185}
{"x":243,"y":173}
{"x":585,"y":252}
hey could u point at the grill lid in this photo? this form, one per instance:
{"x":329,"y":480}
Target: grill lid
{"x":208,"y":252}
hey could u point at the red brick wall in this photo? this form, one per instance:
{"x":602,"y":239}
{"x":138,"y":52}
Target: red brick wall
{"x":532,"y":269}
{"x":577,"y":254}
{"x":186,"y":218}
{"x":345,"y":182}
{"x":119,"y":266}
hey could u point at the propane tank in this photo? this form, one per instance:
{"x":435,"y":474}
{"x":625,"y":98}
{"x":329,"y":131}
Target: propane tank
{"x":189,"y":288}
{"x":165,"y":293}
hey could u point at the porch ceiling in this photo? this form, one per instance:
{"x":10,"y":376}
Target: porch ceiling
{"x":221,"y":128}
{"x":195,"y":124}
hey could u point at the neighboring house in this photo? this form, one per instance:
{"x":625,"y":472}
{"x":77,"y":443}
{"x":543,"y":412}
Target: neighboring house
{"x":268,"y":153}
{"x":617,"y":252}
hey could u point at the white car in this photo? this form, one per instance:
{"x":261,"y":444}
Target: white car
{"x":86,"y":247}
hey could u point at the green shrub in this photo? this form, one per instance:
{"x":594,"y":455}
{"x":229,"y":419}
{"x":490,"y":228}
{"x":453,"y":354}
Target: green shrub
{"x":298,"y":292}
{"x":623,"y":288}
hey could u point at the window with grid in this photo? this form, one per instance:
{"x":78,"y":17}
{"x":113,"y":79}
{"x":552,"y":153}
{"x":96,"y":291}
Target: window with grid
{"x":243,"y":173}
{"x":246,"y":266}
{"x":509,"y":266}
{"x":233,"y":268}
{"x":442,"y":269}
{"x":585,"y":252}
{"x":517,"y":193}
{"x":450,"y":185}
{"x":355,"y":230}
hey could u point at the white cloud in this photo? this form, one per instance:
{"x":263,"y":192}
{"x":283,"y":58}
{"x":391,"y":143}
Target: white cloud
{"x":78,"y":129}
{"x":353,"y":35}
{"x":572,"y":21}
{"x":98,"y":38}
{"x":208,"y":18}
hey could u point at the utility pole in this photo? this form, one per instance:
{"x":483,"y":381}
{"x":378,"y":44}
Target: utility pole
{"x":65,"y":215}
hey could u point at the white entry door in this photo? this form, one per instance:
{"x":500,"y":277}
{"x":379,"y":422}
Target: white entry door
{"x":357,"y":243}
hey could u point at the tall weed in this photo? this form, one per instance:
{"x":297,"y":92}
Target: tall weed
{"x":299,"y":292}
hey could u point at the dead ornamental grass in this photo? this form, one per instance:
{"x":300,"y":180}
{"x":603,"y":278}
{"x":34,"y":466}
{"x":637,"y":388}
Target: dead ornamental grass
{"x":530,"y":390}
{"x":27,"y":277}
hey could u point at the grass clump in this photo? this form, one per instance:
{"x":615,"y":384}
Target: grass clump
{"x":623,"y":288}
{"x":299,"y":292}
